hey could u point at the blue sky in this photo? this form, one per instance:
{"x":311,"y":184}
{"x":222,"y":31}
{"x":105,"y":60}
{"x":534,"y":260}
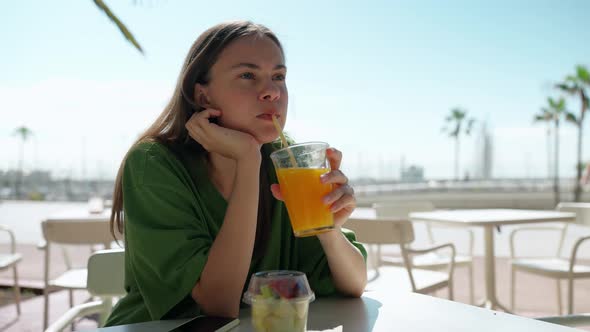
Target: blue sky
{"x":373,"y":78}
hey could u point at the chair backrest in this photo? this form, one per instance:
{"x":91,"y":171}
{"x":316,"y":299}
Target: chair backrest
{"x":106,"y":273}
{"x":382,"y":231}
{"x":385,"y":231}
{"x":76,"y":232}
{"x":401,"y":209}
{"x":582,"y":211}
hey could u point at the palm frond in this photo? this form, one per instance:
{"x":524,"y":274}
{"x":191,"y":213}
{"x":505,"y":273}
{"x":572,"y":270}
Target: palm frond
{"x":457,"y":130}
{"x":560,"y":105}
{"x":458,"y":114}
{"x":126,"y":33}
{"x":23,"y":133}
{"x":571,"y":117}
{"x":583,"y":74}
{"x":567,"y":87}
{"x":539,"y":118}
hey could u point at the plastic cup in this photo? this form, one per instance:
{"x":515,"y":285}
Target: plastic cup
{"x":280,"y":301}
{"x":301,"y":187}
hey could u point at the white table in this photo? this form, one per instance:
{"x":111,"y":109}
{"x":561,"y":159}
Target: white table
{"x":81,"y":214}
{"x":489,"y":219}
{"x":384,"y":312}
{"x":402,"y":311}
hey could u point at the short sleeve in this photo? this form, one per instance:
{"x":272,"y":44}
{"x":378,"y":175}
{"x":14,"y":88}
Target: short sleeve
{"x":313,"y":261}
{"x":166,"y":240}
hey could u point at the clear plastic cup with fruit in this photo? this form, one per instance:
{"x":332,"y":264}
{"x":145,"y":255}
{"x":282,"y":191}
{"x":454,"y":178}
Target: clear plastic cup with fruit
{"x":279,"y":300}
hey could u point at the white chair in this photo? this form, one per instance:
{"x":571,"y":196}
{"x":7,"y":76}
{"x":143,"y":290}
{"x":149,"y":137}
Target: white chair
{"x":106,"y":277}
{"x":67,"y":232}
{"x":400,"y":232}
{"x":433,"y":260}
{"x":556,"y":267}
{"x":11,"y":260}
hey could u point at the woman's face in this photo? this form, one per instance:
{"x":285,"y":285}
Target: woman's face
{"x":247,"y":84}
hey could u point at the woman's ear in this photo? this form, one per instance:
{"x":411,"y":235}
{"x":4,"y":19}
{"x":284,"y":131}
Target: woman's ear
{"x":201,"y":97}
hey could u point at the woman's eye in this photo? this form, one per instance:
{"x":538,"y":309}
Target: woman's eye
{"x":248,"y":76}
{"x":279,"y":77}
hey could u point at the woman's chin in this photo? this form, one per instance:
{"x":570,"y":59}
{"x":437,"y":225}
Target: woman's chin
{"x":266,"y":137}
{"x":265,"y":140}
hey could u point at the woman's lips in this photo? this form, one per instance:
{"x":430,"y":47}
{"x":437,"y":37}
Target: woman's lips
{"x":267,"y":116}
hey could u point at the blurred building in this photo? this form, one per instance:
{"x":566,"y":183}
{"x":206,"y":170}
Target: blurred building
{"x":483,"y":154}
{"x":412,"y":174}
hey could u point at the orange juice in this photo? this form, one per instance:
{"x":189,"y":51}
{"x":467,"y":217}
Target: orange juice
{"x":303,"y":194}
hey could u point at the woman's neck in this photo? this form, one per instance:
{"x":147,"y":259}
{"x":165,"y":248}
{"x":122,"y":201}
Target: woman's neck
{"x":222,"y":172}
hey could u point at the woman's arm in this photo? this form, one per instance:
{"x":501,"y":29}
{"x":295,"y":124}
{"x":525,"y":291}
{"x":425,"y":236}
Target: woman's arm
{"x":346,"y":262}
{"x":219,"y":290}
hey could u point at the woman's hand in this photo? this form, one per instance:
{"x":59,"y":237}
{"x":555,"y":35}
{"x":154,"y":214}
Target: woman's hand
{"x":341,"y":200}
{"x":229,"y":143}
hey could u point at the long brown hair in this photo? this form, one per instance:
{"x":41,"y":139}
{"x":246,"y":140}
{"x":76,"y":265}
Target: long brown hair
{"x":169,"y":127}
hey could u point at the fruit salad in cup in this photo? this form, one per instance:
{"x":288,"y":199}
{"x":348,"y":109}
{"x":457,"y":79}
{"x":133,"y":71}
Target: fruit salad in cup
{"x":279,"y":300}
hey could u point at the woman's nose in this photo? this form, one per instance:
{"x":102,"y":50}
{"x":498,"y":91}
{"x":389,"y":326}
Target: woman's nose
{"x":271,"y":92}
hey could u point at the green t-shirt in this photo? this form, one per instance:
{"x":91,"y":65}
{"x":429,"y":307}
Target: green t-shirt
{"x":173,"y":213}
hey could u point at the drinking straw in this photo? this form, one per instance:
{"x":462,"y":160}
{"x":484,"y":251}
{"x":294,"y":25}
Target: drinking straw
{"x":284,"y":140}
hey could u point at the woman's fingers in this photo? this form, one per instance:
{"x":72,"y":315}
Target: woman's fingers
{"x":275,"y":189}
{"x":337,"y":193}
{"x":334,"y":157}
{"x":199,"y":127}
{"x":347,"y":202}
{"x":335,"y":177}
{"x":203,"y":120}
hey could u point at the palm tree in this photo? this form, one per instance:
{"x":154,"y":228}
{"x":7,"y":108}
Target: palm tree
{"x":575,"y":85}
{"x":126,"y":33}
{"x":23,"y":134}
{"x":456,"y":120}
{"x":553,"y":113}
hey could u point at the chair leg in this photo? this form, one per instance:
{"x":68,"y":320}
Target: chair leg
{"x":512,"y":288}
{"x":45,"y":307}
{"x":71,"y":297}
{"x":471,"y":290}
{"x":559,"y":304}
{"x":16,"y":290}
{"x":570,"y":296}
{"x":451,"y":293}
{"x":108,"y":307}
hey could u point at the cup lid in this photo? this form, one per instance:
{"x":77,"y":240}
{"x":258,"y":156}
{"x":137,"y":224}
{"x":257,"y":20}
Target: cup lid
{"x":279,"y":284}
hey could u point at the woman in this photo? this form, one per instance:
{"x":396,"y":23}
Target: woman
{"x":196,"y":191}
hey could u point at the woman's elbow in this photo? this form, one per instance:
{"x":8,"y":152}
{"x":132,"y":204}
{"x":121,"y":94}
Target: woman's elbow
{"x":359,"y":287}
{"x":358,"y":291}
{"x":219,"y":308}
{"x":355,"y":289}
{"x":222,"y":311}
{"x":215,"y":305}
